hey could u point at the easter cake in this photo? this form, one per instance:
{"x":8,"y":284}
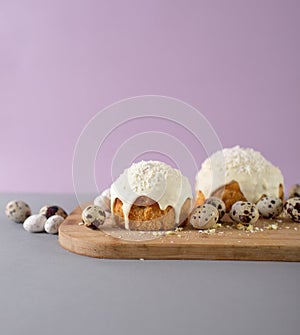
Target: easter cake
{"x":238,"y":174}
{"x":151,"y":195}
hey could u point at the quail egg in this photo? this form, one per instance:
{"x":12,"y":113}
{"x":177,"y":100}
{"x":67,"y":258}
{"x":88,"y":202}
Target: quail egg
{"x":244,"y":212}
{"x":106,"y":193}
{"x":294,"y":191}
{"x":93,"y":216}
{"x":17,"y":211}
{"x":219,"y":204}
{"x":292,"y":208}
{"x":269,"y":207}
{"x":103,"y":202}
{"x":204,"y":216}
{"x":50,"y":210}
{"x":52,"y":224}
{"x":35,"y":223}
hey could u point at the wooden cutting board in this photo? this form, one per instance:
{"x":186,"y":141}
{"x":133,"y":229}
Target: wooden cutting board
{"x":271,"y":240}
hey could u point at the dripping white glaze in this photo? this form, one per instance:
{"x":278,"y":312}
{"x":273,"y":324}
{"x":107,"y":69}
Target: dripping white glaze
{"x":255,"y":175}
{"x":155,"y":180}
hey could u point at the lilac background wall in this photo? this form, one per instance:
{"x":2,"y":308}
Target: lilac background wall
{"x":61,"y":61}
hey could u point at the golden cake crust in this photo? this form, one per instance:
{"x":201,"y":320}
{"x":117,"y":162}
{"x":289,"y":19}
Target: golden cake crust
{"x":150,"y":217}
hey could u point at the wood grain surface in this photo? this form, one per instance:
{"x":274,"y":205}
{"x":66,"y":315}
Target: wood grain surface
{"x":271,"y":240}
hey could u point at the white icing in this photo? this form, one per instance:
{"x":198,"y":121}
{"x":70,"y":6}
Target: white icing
{"x":156,"y":180}
{"x":254,"y":174}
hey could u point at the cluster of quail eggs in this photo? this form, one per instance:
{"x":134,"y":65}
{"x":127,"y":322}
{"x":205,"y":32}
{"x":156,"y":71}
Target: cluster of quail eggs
{"x":246,"y":212}
{"x":48,"y":219}
{"x":93,"y":216}
{"x":272,"y":207}
{"x":207,"y":215}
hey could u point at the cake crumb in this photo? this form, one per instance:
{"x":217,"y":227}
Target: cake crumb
{"x":273,"y":226}
{"x":240,"y":226}
{"x":250,"y":228}
{"x":207,"y":231}
{"x":158,"y":233}
{"x":170,"y":232}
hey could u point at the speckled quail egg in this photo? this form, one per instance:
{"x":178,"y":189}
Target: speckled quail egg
{"x":269,"y":207}
{"x":103,"y":202}
{"x":219,"y":204}
{"x":294,"y":191}
{"x":292,"y":208}
{"x":93,"y":216}
{"x":17,"y":211}
{"x":35,"y":223}
{"x":52,"y":224}
{"x":106,"y":193}
{"x":204,"y":217}
{"x":244,"y":212}
{"x":50,"y":210}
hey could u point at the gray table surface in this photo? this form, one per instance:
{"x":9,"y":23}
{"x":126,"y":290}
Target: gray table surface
{"x":47,"y":290}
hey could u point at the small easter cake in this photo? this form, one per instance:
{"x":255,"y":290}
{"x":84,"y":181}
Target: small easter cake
{"x":237,"y":174}
{"x":151,"y":195}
